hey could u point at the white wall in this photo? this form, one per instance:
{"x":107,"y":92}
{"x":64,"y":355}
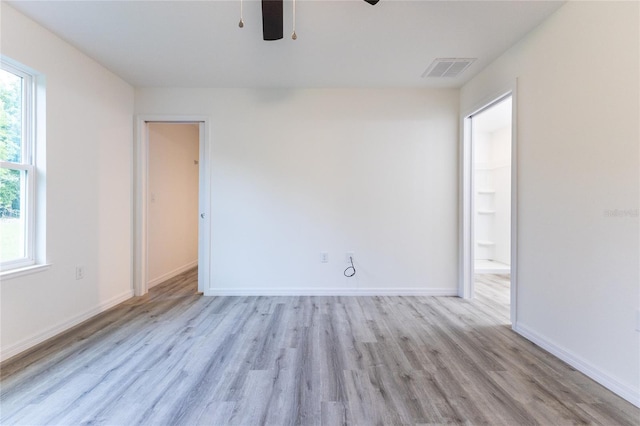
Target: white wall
{"x":297,"y":172}
{"x":492,"y":162}
{"x":578,"y":158}
{"x":501,"y":160}
{"x":173,"y":200}
{"x":483,"y":224}
{"x":88,"y":189}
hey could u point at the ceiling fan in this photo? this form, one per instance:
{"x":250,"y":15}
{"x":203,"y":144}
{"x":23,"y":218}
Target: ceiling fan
{"x":272,"y":17}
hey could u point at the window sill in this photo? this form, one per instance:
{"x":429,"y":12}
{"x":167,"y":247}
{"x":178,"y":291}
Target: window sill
{"x":20,"y":272}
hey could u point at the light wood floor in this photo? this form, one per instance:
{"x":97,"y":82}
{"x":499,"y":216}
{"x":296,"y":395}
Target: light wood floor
{"x":176,"y":358}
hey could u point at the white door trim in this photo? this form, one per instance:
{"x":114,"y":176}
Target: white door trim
{"x":141,"y":186}
{"x":466,"y":198}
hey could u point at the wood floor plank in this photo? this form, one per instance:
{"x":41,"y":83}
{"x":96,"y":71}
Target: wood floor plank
{"x":332,"y":363}
{"x":334,"y":413}
{"x":216,"y":413}
{"x":175,"y":357}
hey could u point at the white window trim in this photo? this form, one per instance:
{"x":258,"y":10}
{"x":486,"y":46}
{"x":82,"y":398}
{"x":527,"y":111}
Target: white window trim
{"x":29,"y":263}
{"x":21,"y":272}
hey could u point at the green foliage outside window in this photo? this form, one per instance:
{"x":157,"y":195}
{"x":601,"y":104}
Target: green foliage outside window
{"x":10,"y":141}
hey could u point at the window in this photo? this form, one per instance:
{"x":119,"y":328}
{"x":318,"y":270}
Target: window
{"x":17,"y":168}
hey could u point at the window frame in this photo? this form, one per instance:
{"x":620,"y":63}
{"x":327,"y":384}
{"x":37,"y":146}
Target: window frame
{"x":27,"y":165}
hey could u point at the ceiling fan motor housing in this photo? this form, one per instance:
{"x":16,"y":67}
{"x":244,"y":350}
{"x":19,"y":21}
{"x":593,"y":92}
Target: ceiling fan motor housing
{"x":272,"y":17}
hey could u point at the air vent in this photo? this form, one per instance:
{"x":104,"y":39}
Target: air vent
{"x":447,"y":67}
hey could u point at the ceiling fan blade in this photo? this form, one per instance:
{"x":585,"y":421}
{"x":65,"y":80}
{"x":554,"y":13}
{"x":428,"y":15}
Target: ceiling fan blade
{"x":372,"y":2}
{"x":272,"y":17}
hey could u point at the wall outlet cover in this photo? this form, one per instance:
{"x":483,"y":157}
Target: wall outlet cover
{"x":79,"y":272}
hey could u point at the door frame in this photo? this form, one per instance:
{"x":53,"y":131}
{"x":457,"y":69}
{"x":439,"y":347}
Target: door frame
{"x":141,"y":191}
{"x":466,"y":222}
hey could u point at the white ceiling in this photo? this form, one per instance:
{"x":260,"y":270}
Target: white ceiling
{"x":341,"y":43}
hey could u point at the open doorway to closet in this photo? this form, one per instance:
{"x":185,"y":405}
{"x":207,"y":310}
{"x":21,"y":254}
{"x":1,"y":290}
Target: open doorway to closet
{"x":172,"y":200}
{"x":491,"y":175}
{"x":172,"y":213}
{"x":488,"y":207}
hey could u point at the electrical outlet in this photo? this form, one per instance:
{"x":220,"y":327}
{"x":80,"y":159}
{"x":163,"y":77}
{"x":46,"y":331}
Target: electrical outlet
{"x":350,"y":257}
{"x":324,"y":257}
{"x":79,"y":272}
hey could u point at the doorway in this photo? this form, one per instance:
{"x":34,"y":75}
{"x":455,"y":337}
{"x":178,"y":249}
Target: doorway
{"x":172,"y":227}
{"x":489,"y":207}
{"x":172,"y":212}
{"x":491,"y":139}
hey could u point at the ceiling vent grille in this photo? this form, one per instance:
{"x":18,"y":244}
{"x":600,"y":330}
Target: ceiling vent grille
{"x":447,"y":67}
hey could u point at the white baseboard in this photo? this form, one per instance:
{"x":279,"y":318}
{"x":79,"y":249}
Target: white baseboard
{"x":322,"y":291}
{"x":50,"y":332}
{"x":171,"y":274}
{"x":624,"y":391}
